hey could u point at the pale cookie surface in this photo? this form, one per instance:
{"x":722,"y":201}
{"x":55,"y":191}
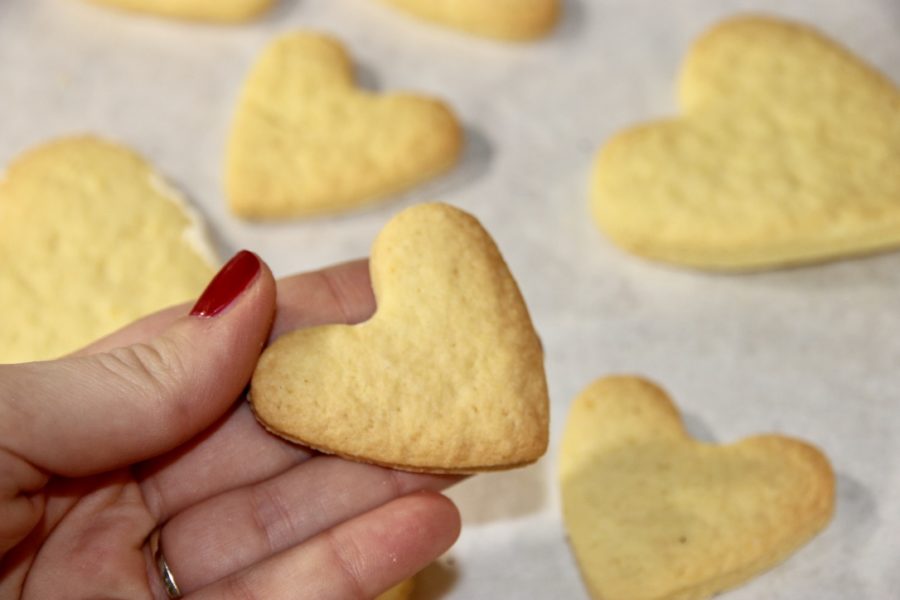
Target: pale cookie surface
{"x":305,"y":140}
{"x":653,"y":514}
{"x":90,"y":239}
{"x":401,"y":591}
{"x":786,"y":153}
{"x":504,"y":19}
{"x":224,"y":11}
{"x":447,"y":376}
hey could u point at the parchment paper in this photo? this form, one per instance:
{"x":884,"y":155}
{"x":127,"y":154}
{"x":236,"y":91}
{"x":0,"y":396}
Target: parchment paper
{"x":810,"y":352}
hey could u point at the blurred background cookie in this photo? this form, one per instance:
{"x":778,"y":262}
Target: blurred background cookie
{"x":225,"y":11}
{"x":401,"y":591}
{"x":504,"y":19}
{"x":91,"y":238}
{"x":654,"y":514}
{"x":306,"y":140}
{"x":786,"y":154}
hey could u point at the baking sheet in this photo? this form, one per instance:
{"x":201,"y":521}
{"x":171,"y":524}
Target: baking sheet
{"x":811,"y":352}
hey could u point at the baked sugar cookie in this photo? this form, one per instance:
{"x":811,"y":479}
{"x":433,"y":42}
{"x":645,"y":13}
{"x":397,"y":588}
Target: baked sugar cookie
{"x":786,"y":153}
{"x":504,"y":19}
{"x":448,"y":375}
{"x":656,"y":515}
{"x":225,"y":11}
{"x":306,"y":140}
{"x":91,"y":238}
{"x":401,"y":591}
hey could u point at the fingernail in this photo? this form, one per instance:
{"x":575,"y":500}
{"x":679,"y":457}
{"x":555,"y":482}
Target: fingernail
{"x":235,"y":277}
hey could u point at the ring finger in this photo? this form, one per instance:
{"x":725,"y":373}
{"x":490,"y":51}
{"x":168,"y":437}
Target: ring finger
{"x":359,"y":558}
{"x":239,"y":528}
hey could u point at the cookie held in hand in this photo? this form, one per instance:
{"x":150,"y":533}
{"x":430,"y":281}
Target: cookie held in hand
{"x":505,"y":19}
{"x":306,"y":140}
{"x":91,"y":238}
{"x":223,"y":11}
{"x":786,"y":153}
{"x":654,"y":514}
{"x":446,"y":377}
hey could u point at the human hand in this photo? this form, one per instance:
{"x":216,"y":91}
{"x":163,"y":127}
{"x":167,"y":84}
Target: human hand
{"x":146,"y":429}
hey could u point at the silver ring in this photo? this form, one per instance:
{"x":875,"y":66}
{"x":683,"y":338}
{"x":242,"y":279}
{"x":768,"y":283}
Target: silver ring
{"x":162,"y":567}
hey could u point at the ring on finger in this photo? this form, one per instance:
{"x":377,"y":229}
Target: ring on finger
{"x":162,"y":567}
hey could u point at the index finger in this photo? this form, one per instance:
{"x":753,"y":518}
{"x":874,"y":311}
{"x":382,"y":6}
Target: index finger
{"x":338,"y":294}
{"x":239,"y":451}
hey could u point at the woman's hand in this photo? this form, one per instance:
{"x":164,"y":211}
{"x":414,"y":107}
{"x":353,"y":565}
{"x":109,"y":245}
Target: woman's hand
{"x":147,"y":428}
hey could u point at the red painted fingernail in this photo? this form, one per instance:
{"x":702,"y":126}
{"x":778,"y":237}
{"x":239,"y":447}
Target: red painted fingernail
{"x":235,"y":277}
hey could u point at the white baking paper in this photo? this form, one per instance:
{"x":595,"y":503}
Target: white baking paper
{"x":812,"y":352}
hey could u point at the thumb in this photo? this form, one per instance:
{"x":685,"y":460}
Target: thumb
{"x":87,"y":414}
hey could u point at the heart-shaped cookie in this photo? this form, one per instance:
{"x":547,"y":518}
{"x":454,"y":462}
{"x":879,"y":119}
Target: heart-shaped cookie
{"x":447,"y":376}
{"x":504,"y":19}
{"x":786,"y":153}
{"x":401,"y":591}
{"x":224,"y":11}
{"x":653,"y":514}
{"x":305,"y":140}
{"x":90,"y":239}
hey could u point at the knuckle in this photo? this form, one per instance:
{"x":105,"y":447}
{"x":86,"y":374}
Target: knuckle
{"x":271,"y":516}
{"x":338,"y":297}
{"x":238,"y":588}
{"x":349,"y":561}
{"x":397,"y":483}
{"x":152,"y":369}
